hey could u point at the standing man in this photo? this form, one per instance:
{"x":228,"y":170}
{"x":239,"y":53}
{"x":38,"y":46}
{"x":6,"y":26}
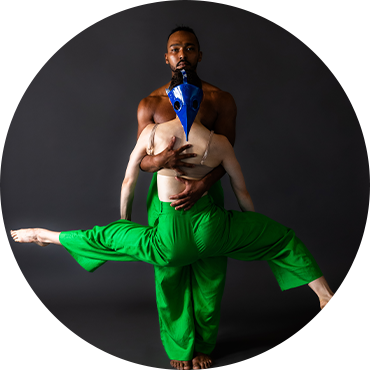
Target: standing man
{"x":188,"y":298}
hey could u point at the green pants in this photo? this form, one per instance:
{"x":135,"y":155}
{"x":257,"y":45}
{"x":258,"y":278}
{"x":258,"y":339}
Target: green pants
{"x":181,"y":238}
{"x":188,"y":297}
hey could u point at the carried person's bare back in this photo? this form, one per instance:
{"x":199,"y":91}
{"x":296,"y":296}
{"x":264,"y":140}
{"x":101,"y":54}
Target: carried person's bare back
{"x":207,"y":146}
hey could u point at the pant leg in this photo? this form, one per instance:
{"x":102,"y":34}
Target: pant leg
{"x":121,"y":240}
{"x":195,"y":291}
{"x":174,"y":297}
{"x":175,"y":311}
{"x":208,"y":283}
{"x":251,"y":236}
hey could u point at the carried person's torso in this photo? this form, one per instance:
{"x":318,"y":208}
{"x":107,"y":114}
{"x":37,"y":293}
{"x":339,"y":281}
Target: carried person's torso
{"x":199,"y":137}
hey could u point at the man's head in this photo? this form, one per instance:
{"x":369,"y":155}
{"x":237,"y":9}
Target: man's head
{"x":185,"y":93}
{"x":183,"y":49}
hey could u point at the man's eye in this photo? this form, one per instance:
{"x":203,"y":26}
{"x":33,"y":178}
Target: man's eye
{"x":191,"y":49}
{"x":174,"y":50}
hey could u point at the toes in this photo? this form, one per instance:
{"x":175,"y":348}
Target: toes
{"x":181,"y":365}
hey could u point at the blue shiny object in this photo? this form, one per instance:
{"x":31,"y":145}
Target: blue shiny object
{"x":185,"y":99}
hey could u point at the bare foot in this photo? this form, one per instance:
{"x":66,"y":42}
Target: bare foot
{"x":181,"y":365}
{"x":202,"y":361}
{"x":27,"y":236}
{"x":338,"y":308}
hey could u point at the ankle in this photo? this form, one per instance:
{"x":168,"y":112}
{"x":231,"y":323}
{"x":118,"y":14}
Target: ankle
{"x":38,"y":235}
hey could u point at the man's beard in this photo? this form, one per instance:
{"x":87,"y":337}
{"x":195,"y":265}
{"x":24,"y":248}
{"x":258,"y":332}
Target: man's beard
{"x":188,"y":67}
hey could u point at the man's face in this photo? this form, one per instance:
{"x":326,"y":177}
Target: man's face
{"x":183,"y":51}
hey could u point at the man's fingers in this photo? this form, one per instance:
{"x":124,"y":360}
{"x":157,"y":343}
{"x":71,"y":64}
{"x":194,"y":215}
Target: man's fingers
{"x":180,"y":179}
{"x":184,"y":147}
{"x":184,"y":164}
{"x":179,"y":202}
{"x":182,"y":195}
{"x":181,"y":207}
{"x":184,"y":206}
{"x":188,"y":155}
{"x":182,"y":203}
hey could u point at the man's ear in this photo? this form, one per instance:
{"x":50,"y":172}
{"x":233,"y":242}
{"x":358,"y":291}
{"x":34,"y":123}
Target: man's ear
{"x":200,"y":56}
{"x":165,"y":57}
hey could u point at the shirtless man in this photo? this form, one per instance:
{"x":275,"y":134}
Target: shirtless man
{"x":199,"y":287}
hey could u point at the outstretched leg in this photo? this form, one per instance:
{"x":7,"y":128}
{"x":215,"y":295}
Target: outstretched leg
{"x":330,"y":303}
{"x":42,"y":237}
{"x":252,"y":236}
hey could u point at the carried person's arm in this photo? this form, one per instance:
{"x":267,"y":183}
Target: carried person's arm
{"x":132,"y":174}
{"x":232,"y":167}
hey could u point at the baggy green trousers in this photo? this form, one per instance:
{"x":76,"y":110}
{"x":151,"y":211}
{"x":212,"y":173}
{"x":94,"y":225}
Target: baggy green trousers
{"x":188,"y":297}
{"x":181,"y":238}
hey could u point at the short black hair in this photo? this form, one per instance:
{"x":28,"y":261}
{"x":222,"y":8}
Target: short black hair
{"x":186,"y":29}
{"x":192,"y":77}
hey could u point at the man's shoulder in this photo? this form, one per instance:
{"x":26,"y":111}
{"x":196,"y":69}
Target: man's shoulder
{"x":215,"y":92}
{"x":160,"y":92}
{"x":209,"y":88}
{"x":154,"y":98}
{"x":222,"y":101}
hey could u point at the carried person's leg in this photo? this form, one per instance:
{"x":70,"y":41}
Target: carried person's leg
{"x":250,"y":236}
{"x":121,"y":240}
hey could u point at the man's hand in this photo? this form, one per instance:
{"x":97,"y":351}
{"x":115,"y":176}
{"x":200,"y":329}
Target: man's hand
{"x":194,"y":189}
{"x":172,"y":158}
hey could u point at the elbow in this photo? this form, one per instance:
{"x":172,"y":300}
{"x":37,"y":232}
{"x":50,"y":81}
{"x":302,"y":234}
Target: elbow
{"x":129,"y":183}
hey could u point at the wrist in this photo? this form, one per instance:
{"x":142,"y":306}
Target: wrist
{"x":205,"y":184}
{"x":157,"y":162}
{"x":150,"y":164}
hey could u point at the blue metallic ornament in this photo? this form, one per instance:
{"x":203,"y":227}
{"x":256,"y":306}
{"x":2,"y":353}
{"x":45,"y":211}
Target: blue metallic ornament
{"x":185,"y":99}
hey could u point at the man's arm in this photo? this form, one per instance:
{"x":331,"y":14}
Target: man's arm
{"x":224,"y":125}
{"x":132,"y":174}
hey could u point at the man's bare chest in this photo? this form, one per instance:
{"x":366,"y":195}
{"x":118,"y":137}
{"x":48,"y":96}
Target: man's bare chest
{"x":164,"y":112}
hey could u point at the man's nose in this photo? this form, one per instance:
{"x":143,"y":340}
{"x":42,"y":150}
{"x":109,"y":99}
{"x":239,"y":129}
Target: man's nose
{"x":182,"y":54}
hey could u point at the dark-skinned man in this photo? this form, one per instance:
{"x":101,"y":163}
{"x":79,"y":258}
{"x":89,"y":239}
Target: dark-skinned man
{"x":188,"y":298}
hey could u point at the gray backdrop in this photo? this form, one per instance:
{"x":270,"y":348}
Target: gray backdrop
{"x":298,"y":141}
